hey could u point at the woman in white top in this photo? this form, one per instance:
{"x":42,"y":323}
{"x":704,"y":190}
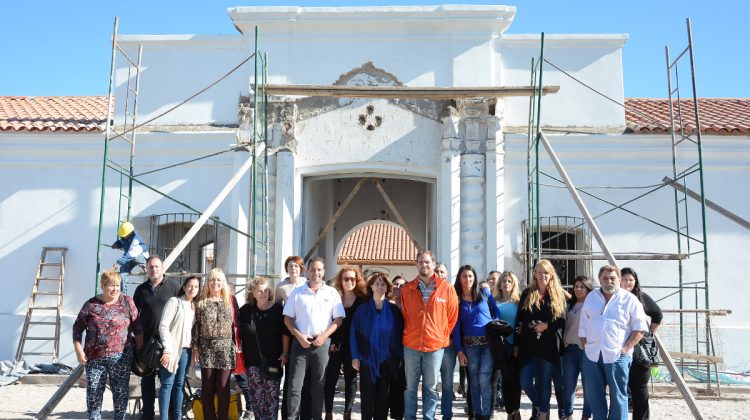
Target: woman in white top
{"x":175,"y":332}
{"x":294,"y":267}
{"x":572,"y":357}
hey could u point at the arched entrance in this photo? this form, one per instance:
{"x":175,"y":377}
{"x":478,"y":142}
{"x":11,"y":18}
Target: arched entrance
{"x":336,"y":206}
{"x":378,"y":246}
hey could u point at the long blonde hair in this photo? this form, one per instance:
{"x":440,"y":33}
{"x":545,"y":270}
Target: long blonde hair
{"x":554,"y":290}
{"x":226,"y":296}
{"x":515,"y":295}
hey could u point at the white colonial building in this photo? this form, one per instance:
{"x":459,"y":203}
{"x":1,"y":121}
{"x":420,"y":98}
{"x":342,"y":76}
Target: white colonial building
{"x":455,"y":169}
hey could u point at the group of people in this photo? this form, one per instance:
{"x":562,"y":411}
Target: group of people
{"x":391,"y":335}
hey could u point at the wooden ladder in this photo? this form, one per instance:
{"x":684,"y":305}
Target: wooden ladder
{"x":46,"y":300}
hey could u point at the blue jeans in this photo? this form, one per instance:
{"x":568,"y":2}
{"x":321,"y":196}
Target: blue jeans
{"x":480,"y":378}
{"x":447,"y":372}
{"x":427,"y":366}
{"x":126,"y":268}
{"x":572,"y":366}
{"x":170,"y":394}
{"x":536,"y":381}
{"x":600,"y":375}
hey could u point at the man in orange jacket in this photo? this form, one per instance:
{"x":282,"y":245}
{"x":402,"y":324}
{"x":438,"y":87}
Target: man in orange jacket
{"x":430,"y":308}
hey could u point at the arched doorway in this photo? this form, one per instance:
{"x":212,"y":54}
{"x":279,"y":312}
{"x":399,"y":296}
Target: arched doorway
{"x":378,"y":246}
{"x":335,"y":206}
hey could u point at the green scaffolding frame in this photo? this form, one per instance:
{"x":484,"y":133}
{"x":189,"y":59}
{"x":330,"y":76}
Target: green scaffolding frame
{"x":254,"y":139}
{"x":690,"y":244}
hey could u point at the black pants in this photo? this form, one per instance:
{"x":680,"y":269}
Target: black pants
{"x":496,"y":377}
{"x":638,"y":387}
{"x":335,"y":361}
{"x":374,"y":393}
{"x":511,"y":382}
{"x":396,"y":394}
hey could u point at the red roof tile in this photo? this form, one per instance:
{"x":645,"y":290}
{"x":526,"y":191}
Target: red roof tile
{"x":382,"y":243}
{"x":52,"y":113}
{"x":718,"y":115}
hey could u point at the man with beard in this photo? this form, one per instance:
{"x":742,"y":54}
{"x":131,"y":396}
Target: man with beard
{"x":612,"y":323}
{"x":150,"y":298}
{"x":430,"y":308}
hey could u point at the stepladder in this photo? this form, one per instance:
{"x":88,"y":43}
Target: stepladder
{"x":40,"y":335}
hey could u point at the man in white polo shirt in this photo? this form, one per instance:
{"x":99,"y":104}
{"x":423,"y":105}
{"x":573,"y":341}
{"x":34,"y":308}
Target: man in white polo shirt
{"x":612,"y":323}
{"x":312,"y":313}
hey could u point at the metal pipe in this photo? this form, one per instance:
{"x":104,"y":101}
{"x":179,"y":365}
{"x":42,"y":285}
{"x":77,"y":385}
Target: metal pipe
{"x":105,"y":157}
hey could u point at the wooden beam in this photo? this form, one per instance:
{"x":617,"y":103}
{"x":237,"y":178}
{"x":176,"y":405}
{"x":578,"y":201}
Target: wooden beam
{"x":60,"y":393}
{"x":645,"y":257}
{"x":404,"y":92}
{"x":678,"y":379}
{"x":577,"y":198}
{"x":696,"y":356}
{"x":396,"y":213}
{"x":710,"y":204}
{"x":208,"y":213}
{"x":335,"y":217}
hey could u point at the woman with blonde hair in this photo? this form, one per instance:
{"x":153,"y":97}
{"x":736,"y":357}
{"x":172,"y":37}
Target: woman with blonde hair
{"x":212,"y":337}
{"x":540,"y":325}
{"x":507,"y":297}
{"x":110,"y":320}
{"x":351,"y":286}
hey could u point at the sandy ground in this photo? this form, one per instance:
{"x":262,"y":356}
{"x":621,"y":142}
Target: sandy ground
{"x":23,"y":401}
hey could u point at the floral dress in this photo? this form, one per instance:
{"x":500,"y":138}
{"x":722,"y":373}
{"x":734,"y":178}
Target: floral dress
{"x":212,"y":334}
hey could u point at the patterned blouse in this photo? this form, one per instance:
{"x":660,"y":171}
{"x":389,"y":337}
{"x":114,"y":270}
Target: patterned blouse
{"x":212,"y":334}
{"x":109,"y":328}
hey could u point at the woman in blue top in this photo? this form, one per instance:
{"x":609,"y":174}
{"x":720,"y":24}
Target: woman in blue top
{"x":507,"y":297}
{"x":470,"y":338}
{"x":375,"y":345}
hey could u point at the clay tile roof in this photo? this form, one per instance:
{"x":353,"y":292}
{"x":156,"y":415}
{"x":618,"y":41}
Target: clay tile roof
{"x":382,"y":243}
{"x":53,"y":113}
{"x":729,"y":116}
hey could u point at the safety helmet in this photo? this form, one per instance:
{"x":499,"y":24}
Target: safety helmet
{"x":125,"y":229}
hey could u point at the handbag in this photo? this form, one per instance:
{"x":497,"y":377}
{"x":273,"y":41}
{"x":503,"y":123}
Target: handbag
{"x":646,"y":352}
{"x":496,"y":331}
{"x":267,"y":369}
{"x":239,"y":358}
{"x":150,"y":355}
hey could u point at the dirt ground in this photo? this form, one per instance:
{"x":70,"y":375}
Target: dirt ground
{"x":23,"y":401}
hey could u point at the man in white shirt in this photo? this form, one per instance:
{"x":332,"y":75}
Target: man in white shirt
{"x":612,"y":323}
{"x":312,"y":313}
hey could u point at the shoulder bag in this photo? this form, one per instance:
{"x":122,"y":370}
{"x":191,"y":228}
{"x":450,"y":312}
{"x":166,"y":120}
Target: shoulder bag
{"x":646,"y":352}
{"x":267,"y":369}
{"x":153,"y":349}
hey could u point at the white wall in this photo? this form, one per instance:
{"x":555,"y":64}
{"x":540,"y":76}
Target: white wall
{"x":643,"y":160}
{"x":53,"y":199}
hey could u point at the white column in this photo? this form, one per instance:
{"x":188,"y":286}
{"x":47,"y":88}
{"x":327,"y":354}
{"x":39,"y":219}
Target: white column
{"x":449,"y":197}
{"x":472,"y":212}
{"x":495,"y":194}
{"x":283,"y":232}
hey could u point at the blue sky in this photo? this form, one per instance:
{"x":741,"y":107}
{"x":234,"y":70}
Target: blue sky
{"x":62,"y":47}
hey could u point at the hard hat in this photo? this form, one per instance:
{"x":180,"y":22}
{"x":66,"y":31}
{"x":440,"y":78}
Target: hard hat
{"x":125,"y":229}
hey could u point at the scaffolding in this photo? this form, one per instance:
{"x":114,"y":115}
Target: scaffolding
{"x":252,"y":135}
{"x":542,"y":238}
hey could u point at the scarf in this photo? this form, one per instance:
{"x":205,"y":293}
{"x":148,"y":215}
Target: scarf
{"x":377,"y":336}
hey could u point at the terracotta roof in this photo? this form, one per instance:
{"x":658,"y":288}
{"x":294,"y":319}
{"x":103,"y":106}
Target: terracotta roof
{"x":52,"y":113}
{"x":382,"y":243}
{"x":718,"y":115}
